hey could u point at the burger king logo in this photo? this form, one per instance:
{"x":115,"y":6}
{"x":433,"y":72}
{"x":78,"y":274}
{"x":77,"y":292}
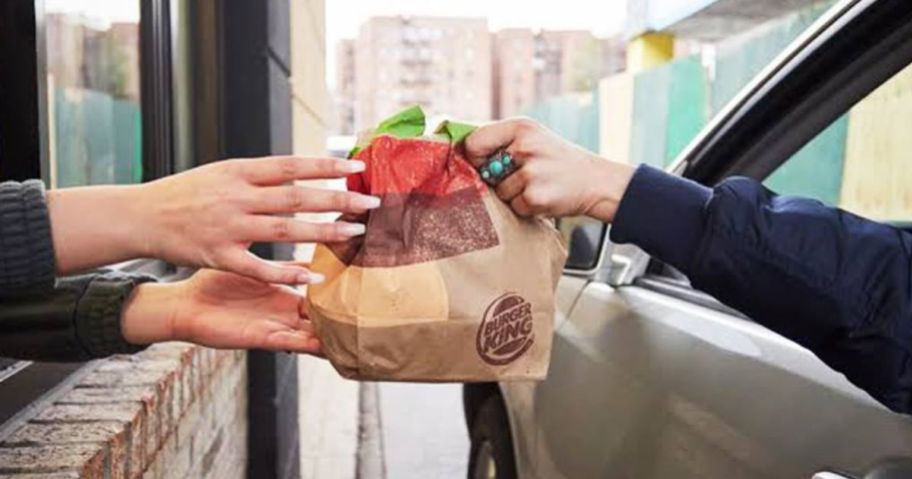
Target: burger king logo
{"x":505,"y":332}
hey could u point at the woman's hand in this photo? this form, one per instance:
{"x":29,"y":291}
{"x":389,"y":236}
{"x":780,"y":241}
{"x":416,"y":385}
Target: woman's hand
{"x":220,"y":310}
{"x":554,"y":177}
{"x":206,"y":217}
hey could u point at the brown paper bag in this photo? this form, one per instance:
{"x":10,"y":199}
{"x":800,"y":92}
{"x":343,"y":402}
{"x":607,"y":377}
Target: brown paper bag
{"x":446,"y":285}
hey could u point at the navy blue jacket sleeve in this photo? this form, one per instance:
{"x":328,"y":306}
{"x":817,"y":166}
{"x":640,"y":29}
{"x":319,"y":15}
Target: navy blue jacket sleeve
{"x":836,"y":283}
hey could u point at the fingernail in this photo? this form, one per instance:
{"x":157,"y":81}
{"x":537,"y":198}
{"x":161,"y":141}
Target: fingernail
{"x":311,"y":278}
{"x":349,"y":166}
{"x":352,"y":229}
{"x":367,"y":202}
{"x":292,"y":334}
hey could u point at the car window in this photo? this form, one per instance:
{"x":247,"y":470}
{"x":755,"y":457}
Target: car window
{"x":863,"y":161}
{"x":93,"y":91}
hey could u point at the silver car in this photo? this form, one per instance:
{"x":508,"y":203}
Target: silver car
{"x":651,"y":378}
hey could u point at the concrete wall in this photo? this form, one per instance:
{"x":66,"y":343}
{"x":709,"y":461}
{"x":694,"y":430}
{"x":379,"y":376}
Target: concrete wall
{"x":309,"y":94}
{"x":308,"y":85}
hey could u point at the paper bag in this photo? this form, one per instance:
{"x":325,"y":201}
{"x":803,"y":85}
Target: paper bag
{"x":447,"y":284}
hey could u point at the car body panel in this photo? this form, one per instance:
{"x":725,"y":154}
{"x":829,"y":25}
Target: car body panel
{"x":569,"y":289}
{"x":519,"y":395}
{"x":643,"y":385}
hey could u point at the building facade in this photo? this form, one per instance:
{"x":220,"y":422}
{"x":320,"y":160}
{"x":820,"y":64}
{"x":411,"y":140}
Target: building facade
{"x":530,"y":67}
{"x":443,"y":64}
{"x":344,"y":98}
{"x":515,"y":76}
{"x":456,"y":67}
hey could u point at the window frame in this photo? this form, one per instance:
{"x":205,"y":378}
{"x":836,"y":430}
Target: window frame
{"x":19,"y":108}
{"x":24,"y":155}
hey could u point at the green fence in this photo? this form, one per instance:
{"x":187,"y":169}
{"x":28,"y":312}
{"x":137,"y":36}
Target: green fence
{"x":738,"y":63}
{"x":669,"y":109}
{"x":673,"y":102}
{"x":97,"y":138}
{"x":817,"y":169}
{"x":574,"y":117}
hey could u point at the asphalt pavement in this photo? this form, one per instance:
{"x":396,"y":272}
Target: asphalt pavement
{"x":379,"y":430}
{"x":423,"y":432}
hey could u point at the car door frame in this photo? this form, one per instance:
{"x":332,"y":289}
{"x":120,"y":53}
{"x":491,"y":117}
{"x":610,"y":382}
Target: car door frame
{"x":849,"y":52}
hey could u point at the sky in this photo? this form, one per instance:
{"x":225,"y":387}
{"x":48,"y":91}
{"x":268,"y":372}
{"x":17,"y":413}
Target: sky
{"x":106,"y":10}
{"x":603,"y":17}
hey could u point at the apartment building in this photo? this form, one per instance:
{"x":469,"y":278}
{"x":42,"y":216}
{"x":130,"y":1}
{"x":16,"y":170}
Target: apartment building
{"x":444,"y":64}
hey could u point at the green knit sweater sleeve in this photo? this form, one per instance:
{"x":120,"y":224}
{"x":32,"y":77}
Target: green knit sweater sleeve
{"x":79,"y":319}
{"x":41,"y":318}
{"x":26,"y":250}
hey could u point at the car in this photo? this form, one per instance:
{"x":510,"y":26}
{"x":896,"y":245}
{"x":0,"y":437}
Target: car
{"x":650,"y":377}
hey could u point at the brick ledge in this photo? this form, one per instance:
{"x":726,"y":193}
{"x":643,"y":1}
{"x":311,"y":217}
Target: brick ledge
{"x":114,"y":421}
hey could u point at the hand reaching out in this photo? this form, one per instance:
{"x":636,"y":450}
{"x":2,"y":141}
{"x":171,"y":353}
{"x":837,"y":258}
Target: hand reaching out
{"x":220,"y":310}
{"x":206,"y":217}
{"x":555,"y":178}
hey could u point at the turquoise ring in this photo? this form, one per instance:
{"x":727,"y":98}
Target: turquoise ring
{"x":497,"y":168}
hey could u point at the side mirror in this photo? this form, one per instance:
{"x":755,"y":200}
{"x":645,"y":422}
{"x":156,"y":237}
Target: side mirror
{"x":585,"y":240}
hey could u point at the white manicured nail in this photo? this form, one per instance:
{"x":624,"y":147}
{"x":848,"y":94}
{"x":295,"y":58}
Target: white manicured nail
{"x":367,"y":202}
{"x":352,"y":229}
{"x":313,"y":278}
{"x":352,"y":166}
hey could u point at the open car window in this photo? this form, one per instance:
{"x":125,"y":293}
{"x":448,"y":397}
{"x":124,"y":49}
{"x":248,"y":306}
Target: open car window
{"x":856,"y":159}
{"x":861,"y":163}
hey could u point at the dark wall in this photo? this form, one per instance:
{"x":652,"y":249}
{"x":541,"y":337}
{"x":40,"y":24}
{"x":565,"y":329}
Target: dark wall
{"x":255,"y":111}
{"x":256,"y":91}
{"x":19,"y":111}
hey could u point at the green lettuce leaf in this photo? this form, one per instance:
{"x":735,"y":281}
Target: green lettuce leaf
{"x":455,"y":131}
{"x":411,"y":123}
{"x":408,"y":123}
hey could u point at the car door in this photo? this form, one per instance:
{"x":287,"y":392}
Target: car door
{"x":650,"y":378}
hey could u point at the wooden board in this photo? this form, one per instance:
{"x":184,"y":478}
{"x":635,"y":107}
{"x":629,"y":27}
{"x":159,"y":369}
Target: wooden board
{"x":615,"y":116}
{"x":877,"y":182}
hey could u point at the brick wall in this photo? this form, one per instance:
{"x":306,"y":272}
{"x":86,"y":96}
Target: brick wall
{"x":173,"y":410}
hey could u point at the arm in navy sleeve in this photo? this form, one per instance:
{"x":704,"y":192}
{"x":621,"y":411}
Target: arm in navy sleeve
{"x":837,"y":284}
